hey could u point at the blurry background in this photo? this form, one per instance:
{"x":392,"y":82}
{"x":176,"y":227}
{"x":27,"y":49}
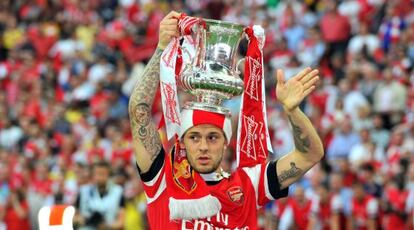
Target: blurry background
{"x":67,"y":68}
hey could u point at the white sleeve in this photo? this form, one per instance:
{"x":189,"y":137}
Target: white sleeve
{"x":254,"y":175}
{"x":336,"y":204}
{"x":315,"y":206}
{"x":286,"y":220}
{"x":372,"y":208}
{"x":409,"y":206}
{"x":265,"y":183}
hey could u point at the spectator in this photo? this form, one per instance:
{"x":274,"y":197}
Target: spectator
{"x":341,"y":198}
{"x":10,"y":135}
{"x":135,"y":206}
{"x":281,"y":216}
{"x":363,"y":43}
{"x":16,"y":216}
{"x":365,"y":209}
{"x":301,"y":208}
{"x":342,"y":142}
{"x":311,"y":48}
{"x":352,"y":98}
{"x":294,"y":33}
{"x":100,"y":204}
{"x":321,"y":210}
{"x":365,"y":151}
{"x":367,"y":175}
{"x":390,"y":99}
{"x":40,"y":191}
{"x":380,"y":136}
{"x":336,"y":29}
{"x":395,"y":202}
{"x":369,"y":81}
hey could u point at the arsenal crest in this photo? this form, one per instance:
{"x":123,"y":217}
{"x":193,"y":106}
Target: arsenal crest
{"x":236,"y":194}
{"x":182,"y":172}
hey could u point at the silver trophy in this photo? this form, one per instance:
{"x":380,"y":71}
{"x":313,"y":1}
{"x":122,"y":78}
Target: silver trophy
{"x":212,"y":75}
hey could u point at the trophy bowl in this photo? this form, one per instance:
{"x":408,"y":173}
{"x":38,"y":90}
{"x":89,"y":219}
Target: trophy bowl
{"x":212,"y":75}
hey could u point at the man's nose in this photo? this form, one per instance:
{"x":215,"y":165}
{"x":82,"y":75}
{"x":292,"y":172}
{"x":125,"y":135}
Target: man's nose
{"x":203,"y":144}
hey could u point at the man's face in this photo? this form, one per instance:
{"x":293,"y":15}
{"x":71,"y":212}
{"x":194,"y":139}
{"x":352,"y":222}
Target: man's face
{"x":205,"y":145}
{"x":100,"y":175}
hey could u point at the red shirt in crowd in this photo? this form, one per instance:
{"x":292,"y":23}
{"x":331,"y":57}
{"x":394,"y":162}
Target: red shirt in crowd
{"x":363,"y":210}
{"x":301,"y":212}
{"x":13,"y":221}
{"x":335,"y":27}
{"x":397,"y":199}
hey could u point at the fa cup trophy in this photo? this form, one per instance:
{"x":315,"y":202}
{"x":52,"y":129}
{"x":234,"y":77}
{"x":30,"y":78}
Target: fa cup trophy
{"x":212,"y":75}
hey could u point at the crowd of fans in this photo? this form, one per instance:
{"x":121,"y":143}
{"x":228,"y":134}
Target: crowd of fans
{"x":67,"y":68}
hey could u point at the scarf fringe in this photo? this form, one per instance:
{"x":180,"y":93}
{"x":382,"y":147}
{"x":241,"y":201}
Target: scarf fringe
{"x":203,"y":207}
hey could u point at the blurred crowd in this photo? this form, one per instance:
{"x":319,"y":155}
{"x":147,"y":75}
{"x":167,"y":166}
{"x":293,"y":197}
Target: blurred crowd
{"x":67,"y":68}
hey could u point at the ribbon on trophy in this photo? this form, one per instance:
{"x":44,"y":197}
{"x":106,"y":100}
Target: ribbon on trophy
{"x":189,"y":195}
{"x":253,"y":141}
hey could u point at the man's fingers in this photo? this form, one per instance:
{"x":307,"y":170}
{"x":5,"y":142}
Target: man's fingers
{"x":169,"y":34}
{"x":309,"y":76}
{"x":169,"y":28}
{"x":302,"y":73}
{"x":280,"y":77}
{"x":309,"y":90}
{"x":169,"y":21}
{"x":172,"y":14}
{"x":311,"y":82}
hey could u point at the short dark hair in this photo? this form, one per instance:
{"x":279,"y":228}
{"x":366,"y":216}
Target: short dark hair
{"x":101,"y":164}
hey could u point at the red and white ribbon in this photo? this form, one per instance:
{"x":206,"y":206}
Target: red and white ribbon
{"x":171,"y":65}
{"x":253,"y":142}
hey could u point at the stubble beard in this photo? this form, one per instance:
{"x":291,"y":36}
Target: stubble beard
{"x":211,"y":169}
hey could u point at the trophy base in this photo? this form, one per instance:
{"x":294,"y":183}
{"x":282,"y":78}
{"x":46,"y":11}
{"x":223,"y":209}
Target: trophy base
{"x":208,"y":107}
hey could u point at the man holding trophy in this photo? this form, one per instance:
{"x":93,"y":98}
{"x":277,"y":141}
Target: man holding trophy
{"x":186,"y":187}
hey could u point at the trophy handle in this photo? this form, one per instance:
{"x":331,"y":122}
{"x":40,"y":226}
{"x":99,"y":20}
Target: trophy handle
{"x":238,"y":63}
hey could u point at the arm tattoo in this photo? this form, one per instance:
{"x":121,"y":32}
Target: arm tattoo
{"x":144,"y":129}
{"x":292,"y":172}
{"x":301,"y":144}
{"x":140,"y":104}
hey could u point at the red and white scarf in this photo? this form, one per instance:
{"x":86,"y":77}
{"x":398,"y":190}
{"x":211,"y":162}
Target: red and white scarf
{"x":171,"y":66}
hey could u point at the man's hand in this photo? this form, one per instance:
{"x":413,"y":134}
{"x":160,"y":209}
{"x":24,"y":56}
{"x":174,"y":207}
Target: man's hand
{"x":168,"y":29}
{"x":292,"y":92}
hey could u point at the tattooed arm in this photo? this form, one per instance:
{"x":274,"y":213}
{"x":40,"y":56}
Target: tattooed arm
{"x":308,"y":146}
{"x":146,"y":140}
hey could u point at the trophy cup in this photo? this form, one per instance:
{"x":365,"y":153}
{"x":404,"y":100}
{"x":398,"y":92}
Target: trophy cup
{"x":212,"y":75}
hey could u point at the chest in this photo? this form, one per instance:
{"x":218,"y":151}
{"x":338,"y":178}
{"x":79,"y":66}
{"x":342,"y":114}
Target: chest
{"x":238,"y":202}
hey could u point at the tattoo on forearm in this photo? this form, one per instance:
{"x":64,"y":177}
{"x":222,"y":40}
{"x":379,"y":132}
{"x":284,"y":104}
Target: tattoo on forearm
{"x":301,"y":144}
{"x":140,"y":104}
{"x":292,"y":172}
{"x":147,"y":83}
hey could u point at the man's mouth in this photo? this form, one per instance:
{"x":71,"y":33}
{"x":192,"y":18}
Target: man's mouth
{"x":203,"y":160}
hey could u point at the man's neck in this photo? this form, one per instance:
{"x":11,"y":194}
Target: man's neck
{"x":218,"y":175}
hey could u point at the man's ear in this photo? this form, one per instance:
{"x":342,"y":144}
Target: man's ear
{"x":182,"y":145}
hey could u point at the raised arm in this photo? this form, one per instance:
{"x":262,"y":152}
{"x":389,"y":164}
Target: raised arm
{"x":146,"y":140}
{"x":308,"y":146}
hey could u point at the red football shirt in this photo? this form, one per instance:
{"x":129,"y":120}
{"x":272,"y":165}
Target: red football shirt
{"x":240,"y":195}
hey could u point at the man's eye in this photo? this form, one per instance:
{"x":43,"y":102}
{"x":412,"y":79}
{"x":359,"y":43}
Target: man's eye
{"x":212,"y":138}
{"x":194,"y":138}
